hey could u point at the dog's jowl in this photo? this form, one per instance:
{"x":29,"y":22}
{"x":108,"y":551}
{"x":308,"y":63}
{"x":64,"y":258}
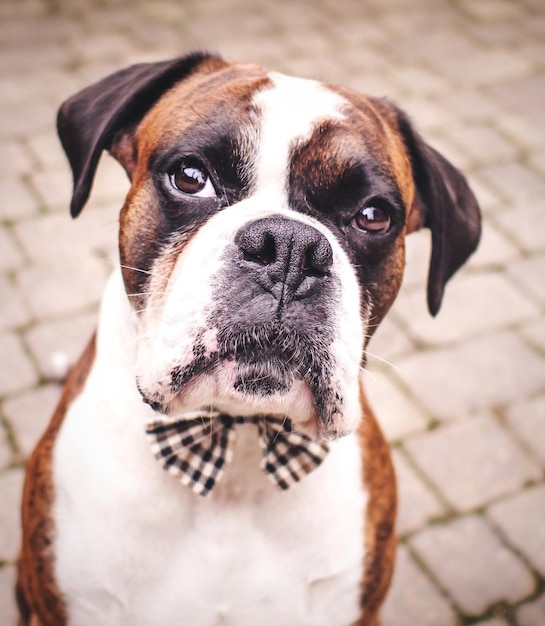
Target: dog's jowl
{"x":213,"y":459}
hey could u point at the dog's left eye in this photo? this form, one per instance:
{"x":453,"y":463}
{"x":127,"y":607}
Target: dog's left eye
{"x":191,"y":177}
{"x":373,"y":219}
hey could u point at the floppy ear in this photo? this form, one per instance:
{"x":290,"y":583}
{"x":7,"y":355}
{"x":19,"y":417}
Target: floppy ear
{"x":101,"y":116}
{"x":445,"y":204}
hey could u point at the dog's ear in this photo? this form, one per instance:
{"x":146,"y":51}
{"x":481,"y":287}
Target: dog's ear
{"x":444,"y":203}
{"x":102,"y":116}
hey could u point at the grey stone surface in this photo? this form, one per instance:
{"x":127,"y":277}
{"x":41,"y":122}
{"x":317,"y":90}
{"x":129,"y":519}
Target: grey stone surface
{"x":417,"y":503}
{"x":18,"y":371}
{"x":472,"y":77}
{"x":398,"y":415}
{"x":7,"y":595}
{"x":532,"y":613}
{"x":461,"y":555}
{"x":527,"y":419}
{"x":56,"y":345}
{"x":503,"y":369}
{"x":473,"y":461}
{"x":30,"y":412}
{"x":469,"y":308}
{"x":63,"y":287}
{"x":528,"y":273}
{"x":10,"y":255}
{"x":521,"y":519}
{"x":414,"y":599}
{"x":13,"y":311}
{"x":11,"y":486}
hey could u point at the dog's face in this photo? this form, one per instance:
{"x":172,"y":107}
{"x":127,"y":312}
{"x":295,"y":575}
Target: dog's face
{"x":262,"y":240}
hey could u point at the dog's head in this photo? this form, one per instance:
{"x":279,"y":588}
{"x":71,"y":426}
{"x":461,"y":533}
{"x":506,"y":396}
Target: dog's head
{"x":262,"y":239}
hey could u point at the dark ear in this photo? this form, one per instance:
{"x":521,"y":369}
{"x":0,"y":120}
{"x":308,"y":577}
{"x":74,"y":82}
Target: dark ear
{"x":100,"y":117}
{"x":445,"y":204}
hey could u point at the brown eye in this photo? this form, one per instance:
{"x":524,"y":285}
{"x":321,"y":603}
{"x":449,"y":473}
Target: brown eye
{"x":373,"y":219}
{"x":191,"y":177}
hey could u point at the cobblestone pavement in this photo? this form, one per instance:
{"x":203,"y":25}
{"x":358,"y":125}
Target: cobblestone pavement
{"x":461,"y":397}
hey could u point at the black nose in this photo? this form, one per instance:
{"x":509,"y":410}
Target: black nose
{"x":289,"y":258}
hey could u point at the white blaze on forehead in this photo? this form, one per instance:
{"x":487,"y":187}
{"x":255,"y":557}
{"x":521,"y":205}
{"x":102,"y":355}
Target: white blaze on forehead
{"x":291,"y":109}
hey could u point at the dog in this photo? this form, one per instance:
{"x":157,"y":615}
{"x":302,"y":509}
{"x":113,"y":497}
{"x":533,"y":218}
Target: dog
{"x":213,"y":459}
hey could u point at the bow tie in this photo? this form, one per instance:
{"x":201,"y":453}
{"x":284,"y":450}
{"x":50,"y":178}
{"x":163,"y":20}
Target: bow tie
{"x":197,"y":450}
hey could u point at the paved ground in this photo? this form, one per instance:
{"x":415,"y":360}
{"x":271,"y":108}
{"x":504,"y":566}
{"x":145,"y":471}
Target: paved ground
{"x":462,"y":397}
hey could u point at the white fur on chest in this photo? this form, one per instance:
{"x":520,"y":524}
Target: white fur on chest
{"x":135,"y":547}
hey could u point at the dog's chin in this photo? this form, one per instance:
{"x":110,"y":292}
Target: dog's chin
{"x":249,"y":389}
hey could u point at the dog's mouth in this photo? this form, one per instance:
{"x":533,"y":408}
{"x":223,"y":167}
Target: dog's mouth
{"x":261,"y":370}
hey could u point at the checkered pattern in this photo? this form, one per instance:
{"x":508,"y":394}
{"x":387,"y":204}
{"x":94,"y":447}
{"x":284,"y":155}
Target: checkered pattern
{"x":198,"y":449}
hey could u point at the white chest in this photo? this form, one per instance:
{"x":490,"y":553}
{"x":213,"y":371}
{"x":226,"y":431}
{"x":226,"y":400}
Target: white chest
{"x":135,"y":547}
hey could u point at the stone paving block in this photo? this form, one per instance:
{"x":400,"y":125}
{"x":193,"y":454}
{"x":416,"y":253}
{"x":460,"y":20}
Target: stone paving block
{"x":489,"y":198}
{"x":413,"y":599}
{"x":439,"y":43}
{"x":21,"y":59}
{"x":470,"y":306}
{"x":469,"y":105}
{"x":29,"y":413}
{"x":513,"y":179}
{"x":17,"y":372}
{"x":494,"y":249}
{"x":520,"y":518}
{"x":525,"y":224}
{"x":491,"y":10}
{"x":534,"y":333}
{"x":527,"y":419}
{"x":388,"y":342}
{"x":63,"y":287}
{"x":532,"y":613}
{"x":472,"y":462}
{"x":537,"y":160}
{"x":461,"y":555}
{"x":53,"y":187}
{"x":46,"y":150}
{"x":420,"y":81}
{"x":57,"y":345}
{"x":13,"y":311}
{"x":484,"y":67}
{"x":417,"y":504}
{"x":521,"y":128}
{"x":104,"y":45}
{"x":8,"y":610}
{"x":482,"y":144}
{"x":523,"y":94}
{"x":455,"y":155}
{"x":16,"y":200}
{"x":58,"y":236}
{"x":14,"y":160}
{"x":11,"y":487}
{"x":458,"y":380}
{"x":25,"y":117}
{"x":529,"y":274}
{"x":10,"y":256}
{"x":5,"y":448}
{"x":396,"y":413}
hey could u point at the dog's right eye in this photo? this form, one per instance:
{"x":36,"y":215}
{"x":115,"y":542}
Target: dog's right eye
{"x":191,"y":177}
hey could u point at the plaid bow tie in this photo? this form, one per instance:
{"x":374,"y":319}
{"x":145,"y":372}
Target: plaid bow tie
{"x":197,"y":450}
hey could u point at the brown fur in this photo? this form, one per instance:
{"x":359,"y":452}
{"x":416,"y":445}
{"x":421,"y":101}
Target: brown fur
{"x":39,"y":599}
{"x":379,"y":533}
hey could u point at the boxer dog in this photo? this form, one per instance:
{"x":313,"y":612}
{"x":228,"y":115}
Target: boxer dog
{"x":213,"y":460}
